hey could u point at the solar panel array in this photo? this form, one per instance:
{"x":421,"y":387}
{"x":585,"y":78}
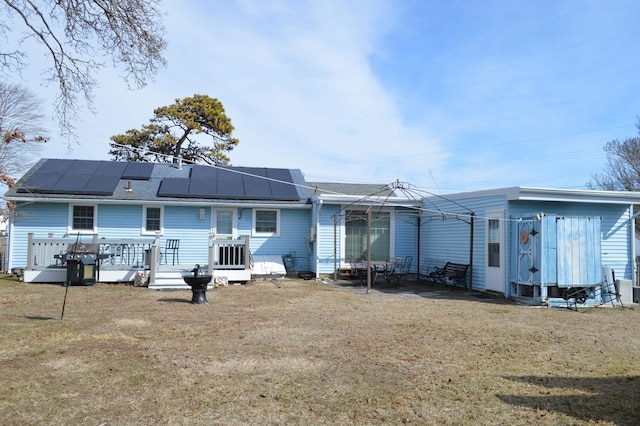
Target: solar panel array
{"x":241,"y":183}
{"x":83,"y":177}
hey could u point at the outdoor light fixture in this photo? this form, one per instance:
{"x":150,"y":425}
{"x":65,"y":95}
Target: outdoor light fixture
{"x":201,"y":213}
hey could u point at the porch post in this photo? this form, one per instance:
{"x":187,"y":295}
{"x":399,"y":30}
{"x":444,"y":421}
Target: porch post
{"x":29,"y":251}
{"x":247,"y":252}
{"x":154,"y":258}
{"x":210,"y":254}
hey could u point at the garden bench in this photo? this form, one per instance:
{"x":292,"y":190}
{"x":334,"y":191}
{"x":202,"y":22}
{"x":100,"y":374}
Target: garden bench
{"x":455,"y":273}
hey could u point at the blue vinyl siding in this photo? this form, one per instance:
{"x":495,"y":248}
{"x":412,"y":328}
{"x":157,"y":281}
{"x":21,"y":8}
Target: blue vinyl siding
{"x":406,"y":236}
{"x":41,"y":219}
{"x":446,"y":238}
{"x":294,"y":230}
{"x":325,"y":239}
{"x":119,"y":221}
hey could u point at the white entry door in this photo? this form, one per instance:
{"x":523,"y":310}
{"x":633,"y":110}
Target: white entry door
{"x":495,"y":245}
{"x":224,"y":224}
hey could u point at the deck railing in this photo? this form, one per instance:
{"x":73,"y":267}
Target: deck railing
{"x":130,"y":252}
{"x":229,"y":254}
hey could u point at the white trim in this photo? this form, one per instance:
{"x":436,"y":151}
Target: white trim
{"x":70,"y":228}
{"x":143,"y":227}
{"x":254,"y":233}
{"x":199,"y":202}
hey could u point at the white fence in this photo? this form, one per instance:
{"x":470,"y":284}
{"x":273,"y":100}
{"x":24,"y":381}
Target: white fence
{"x":130,"y":252}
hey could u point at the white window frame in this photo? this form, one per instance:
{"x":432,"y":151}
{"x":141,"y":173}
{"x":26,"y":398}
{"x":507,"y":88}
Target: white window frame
{"x":265,"y":234}
{"x":143,"y":229}
{"x":73,"y":230}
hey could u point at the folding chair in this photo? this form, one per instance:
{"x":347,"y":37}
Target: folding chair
{"x":171,"y":246}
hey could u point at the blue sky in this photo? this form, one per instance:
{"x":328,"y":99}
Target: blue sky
{"x":449,"y":96}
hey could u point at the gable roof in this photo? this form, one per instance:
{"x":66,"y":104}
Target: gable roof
{"x":64,"y":179}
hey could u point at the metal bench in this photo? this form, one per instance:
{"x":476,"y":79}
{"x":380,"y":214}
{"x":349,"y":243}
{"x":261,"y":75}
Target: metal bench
{"x":455,"y":273}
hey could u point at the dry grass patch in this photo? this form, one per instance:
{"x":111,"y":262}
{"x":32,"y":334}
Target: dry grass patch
{"x":305,"y":352}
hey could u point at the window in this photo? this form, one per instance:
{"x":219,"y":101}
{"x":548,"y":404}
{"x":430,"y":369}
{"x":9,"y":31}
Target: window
{"x":493,"y":243}
{"x":152,"y":221}
{"x":223,"y":224}
{"x":83,"y":218}
{"x":266,"y":222}
{"x":356,"y":235}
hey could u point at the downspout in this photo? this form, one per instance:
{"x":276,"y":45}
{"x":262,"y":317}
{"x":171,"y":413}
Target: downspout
{"x":634,"y":275}
{"x":335,"y":248}
{"x":316,"y":244}
{"x":472,"y":225}
{"x":9,"y":247}
{"x":418,"y":251}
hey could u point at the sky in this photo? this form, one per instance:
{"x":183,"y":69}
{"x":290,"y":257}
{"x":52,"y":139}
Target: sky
{"x":445,"y":96}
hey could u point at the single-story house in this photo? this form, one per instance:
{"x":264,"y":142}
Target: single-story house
{"x":125,"y":208}
{"x":535,"y":244}
{"x":122,"y":209}
{"x":242,"y":222}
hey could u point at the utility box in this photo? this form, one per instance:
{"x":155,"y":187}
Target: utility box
{"x":625,"y":290}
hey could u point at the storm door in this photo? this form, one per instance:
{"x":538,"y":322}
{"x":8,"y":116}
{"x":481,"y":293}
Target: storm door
{"x":224,"y":224}
{"x":494,"y":270}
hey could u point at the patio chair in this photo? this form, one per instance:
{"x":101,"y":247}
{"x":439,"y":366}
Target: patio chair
{"x":171,"y":246}
{"x":401,"y":268}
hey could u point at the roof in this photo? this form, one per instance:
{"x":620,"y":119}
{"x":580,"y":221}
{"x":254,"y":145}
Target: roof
{"x":361,"y":189}
{"x":524,"y":193}
{"x":65,"y":180}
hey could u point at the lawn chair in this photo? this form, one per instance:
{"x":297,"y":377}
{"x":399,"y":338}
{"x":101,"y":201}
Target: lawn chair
{"x":400,"y":269}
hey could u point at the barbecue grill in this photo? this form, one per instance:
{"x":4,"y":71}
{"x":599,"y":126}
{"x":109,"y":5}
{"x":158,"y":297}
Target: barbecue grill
{"x":82,"y":262}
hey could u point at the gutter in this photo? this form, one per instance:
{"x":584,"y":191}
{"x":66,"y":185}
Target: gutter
{"x":199,"y":203}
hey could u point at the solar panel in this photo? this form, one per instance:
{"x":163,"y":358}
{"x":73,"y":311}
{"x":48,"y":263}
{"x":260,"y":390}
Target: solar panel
{"x":279,"y":189}
{"x":88,"y":177}
{"x":40,"y":182}
{"x":283,"y":191}
{"x":83,"y":167}
{"x":138,"y":171}
{"x":205,"y":188}
{"x":71,"y":184}
{"x":111,"y":168}
{"x":204,"y":172}
{"x":230,"y":188}
{"x":174,"y":187}
{"x":101,"y":185}
{"x":257,"y":171}
{"x":256,"y":187}
{"x":55,"y":166}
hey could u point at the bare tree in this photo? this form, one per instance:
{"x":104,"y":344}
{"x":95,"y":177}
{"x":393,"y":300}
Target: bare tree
{"x":77,"y":38}
{"x":22,"y":136}
{"x":622,"y":171}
